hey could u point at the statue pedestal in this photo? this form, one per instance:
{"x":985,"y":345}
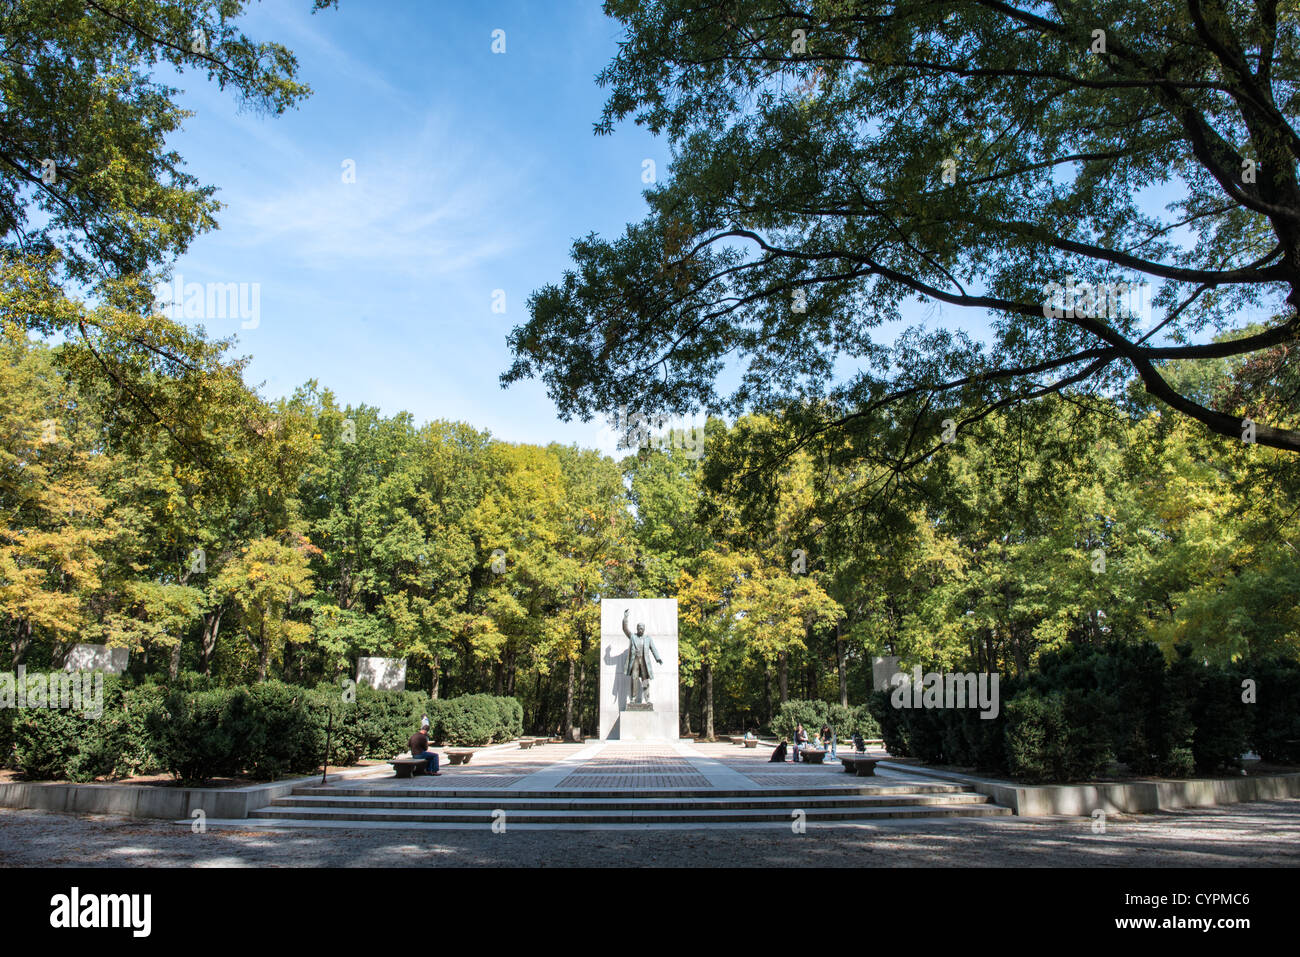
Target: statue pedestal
{"x":637,"y":724}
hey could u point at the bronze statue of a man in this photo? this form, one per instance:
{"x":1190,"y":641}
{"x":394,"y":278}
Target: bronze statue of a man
{"x":638,"y":661}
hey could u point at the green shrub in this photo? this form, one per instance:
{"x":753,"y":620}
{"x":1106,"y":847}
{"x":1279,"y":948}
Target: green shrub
{"x":811,"y":714}
{"x":6,"y":737}
{"x":863,"y":722}
{"x":514,"y":717}
{"x":1276,"y":731}
{"x":469,"y":721}
{"x":53,"y":743}
{"x":133,"y":744}
{"x":840,"y":718}
{"x":893,"y":729}
{"x":1221,"y":720}
{"x":437,"y":712}
{"x":286,"y":736}
{"x":1150,"y":722}
{"x":50,"y":745}
{"x":1059,"y":736}
{"x":203,"y":734}
{"x":377,"y":724}
{"x":926,"y":735}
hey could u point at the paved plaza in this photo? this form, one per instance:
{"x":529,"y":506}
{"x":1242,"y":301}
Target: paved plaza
{"x":1261,"y":834}
{"x":635,"y":766}
{"x":1265,"y":833}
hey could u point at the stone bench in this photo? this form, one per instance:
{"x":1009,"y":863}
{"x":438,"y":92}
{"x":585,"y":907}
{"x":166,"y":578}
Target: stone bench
{"x":459,"y":757}
{"x":811,"y":755}
{"x":751,"y":743}
{"x":405,"y":767}
{"x":526,"y":743}
{"x":858,"y":764}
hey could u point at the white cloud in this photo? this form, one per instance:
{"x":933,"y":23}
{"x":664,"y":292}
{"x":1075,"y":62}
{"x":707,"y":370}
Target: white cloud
{"x":419,"y":208}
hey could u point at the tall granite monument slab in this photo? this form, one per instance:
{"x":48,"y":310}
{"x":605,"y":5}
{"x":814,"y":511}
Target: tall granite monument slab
{"x":638,"y":669}
{"x":86,"y":657}
{"x":383,"y":674}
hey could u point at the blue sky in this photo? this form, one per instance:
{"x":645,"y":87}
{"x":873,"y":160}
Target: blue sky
{"x":474,"y":172}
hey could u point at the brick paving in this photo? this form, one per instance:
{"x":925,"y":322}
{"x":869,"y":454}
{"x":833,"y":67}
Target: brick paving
{"x":634,"y":781}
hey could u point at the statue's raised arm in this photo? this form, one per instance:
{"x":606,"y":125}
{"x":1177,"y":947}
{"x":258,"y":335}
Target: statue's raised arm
{"x":626,"y":630}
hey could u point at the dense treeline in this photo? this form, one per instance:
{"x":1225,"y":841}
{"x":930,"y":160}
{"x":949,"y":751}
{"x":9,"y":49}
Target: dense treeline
{"x":284,"y":539}
{"x":149,"y":499}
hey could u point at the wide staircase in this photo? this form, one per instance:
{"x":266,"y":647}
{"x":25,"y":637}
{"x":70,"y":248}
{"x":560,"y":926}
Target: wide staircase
{"x":350,"y":805}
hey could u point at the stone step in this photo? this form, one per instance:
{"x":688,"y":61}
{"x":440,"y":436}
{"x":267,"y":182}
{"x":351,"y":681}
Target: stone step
{"x":595,"y":817}
{"x":903,"y":787}
{"x":600,"y":803}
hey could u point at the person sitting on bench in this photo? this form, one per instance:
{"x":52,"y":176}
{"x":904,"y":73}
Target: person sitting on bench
{"x":419,"y":743}
{"x":778,"y":755}
{"x":858,"y":744}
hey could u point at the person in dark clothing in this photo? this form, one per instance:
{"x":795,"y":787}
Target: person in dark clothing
{"x":800,"y":741}
{"x":858,"y":744}
{"x":778,"y":755}
{"x":419,"y":743}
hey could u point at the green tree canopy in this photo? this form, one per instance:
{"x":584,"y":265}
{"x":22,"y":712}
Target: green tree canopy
{"x":834,"y":158}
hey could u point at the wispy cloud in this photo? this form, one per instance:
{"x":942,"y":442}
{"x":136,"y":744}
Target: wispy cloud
{"x":423,"y":207}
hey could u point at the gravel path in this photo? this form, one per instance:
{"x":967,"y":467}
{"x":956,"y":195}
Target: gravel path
{"x":1264,"y":833}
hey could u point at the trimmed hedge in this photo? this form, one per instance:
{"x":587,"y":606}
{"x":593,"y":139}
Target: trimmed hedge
{"x":473,"y":720}
{"x":1055,"y":737}
{"x":813,"y":713}
{"x":58,"y":744}
{"x":1087,"y":707}
{"x":1276,"y":729}
{"x":376,"y":725}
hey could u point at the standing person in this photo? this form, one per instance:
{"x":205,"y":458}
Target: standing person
{"x":800,"y":741}
{"x":419,"y":743}
{"x":828,"y":736}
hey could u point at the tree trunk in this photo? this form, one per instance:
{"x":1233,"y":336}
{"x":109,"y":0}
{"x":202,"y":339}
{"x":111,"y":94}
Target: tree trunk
{"x":174,"y":665}
{"x":263,"y":654}
{"x":767,"y":694}
{"x":568,"y":700}
{"x":783,"y":673}
{"x":435,"y":677}
{"x":839,"y":663}
{"x":686,"y":710}
{"x":63,"y":649}
{"x":708,"y":701}
{"x":582,"y":691}
{"x":211,"y":626}
{"x":22,"y":641}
